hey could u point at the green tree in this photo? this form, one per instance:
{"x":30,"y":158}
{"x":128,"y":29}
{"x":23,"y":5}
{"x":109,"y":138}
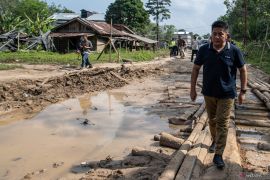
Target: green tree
{"x":158,"y":9}
{"x":8,"y":22}
{"x":37,"y":25}
{"x":258,"y":18}
{"x":128,"y":12}
{"x":14,"y":13}
{"x":7,"y":5}
{"x":169,"y":30}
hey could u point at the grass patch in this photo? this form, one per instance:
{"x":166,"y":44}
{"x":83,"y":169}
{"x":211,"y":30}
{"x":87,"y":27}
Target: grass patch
{"x":43,"y":57}
{"x":255,"y":57}
{"x":9,"y":66}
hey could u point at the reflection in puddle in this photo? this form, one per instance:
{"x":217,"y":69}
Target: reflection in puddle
{"x":59,"y":134}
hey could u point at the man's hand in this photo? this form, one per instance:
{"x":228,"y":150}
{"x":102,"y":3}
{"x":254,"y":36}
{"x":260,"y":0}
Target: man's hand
{"x":241,"y":98}
{"x":193,"y":95}
{"x":194,"y":76}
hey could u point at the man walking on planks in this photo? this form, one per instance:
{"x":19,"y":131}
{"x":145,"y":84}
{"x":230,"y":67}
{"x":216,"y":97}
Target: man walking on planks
{"x":220,"y":60}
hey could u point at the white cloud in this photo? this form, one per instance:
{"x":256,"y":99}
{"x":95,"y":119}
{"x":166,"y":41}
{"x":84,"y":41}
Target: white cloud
{"x":195,"y":15}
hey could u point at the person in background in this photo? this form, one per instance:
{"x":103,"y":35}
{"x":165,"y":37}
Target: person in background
{"x":173,"y":48}
{"x":85,"y":46}
{"x":220,"y":61}
{"x":195,"y":47}
{"x":181,"y":44}
{"x":230,"y":39}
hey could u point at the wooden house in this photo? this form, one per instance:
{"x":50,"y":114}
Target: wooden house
{"x":65,"y":37}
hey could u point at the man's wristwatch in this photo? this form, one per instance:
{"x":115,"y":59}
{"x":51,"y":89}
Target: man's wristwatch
{"x":243,"y":91}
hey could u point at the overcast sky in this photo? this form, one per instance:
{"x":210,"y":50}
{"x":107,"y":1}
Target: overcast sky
{"x":192,"y":15}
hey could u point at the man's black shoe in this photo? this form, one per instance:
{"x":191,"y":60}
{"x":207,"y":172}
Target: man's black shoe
{"x":218,"y":161}
{"x":212,"y":148}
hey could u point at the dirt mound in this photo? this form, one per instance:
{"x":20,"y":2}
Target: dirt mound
{"x":30,"y":96}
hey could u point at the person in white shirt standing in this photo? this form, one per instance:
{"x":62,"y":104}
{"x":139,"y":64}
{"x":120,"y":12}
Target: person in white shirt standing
{"x":195,"y":47}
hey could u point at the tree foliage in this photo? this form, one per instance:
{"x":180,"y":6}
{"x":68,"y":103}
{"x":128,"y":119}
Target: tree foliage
{"x":18,"y":14}
{"x":258,"y":17}
{"x":158,"y":9}
{"x":128,"y":12}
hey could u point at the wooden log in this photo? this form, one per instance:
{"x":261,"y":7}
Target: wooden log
{"x":231,"y":157}
{"x":119,"y":77}
{"x":171,"y":141}
{"x":250,"y":107}
{"x":262,"y":97}
{"x":138,"y":151}
{"x":253,"y":123}
{"x":247,"y":140}
{"x":199,"y":112}
{"x":169,"y":101}
{"x":199,"y":166}
{"x":263,"y":146}
{"x":264,"y":83}
{"x":175,"y":163}
{"x":248,"y":113}
{"x":177,"y":120}
{"x":189,"y":162}
{"x":187,"y":129}
{"x":156,"y":137}
{"x":181,"y":119}
{"x":251,"y":118}
{"x":267,"y":95}
{"x":127,"y":60}
{"x":244,"y":131}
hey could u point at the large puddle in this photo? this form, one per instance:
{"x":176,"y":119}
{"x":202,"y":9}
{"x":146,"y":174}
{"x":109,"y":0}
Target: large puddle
{"x":90,"y":127}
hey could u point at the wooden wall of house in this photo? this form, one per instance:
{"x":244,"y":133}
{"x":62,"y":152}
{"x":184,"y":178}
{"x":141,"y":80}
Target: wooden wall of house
{"x":75,"y":27}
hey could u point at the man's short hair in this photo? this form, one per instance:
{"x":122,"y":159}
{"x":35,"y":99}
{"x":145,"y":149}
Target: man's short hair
{"x":220,"y":24}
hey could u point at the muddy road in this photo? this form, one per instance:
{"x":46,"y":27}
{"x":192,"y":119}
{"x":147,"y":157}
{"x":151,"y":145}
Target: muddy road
{"x":62,"y":123}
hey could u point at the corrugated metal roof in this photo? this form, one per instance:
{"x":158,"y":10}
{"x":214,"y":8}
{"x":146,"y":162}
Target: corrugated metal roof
{"x":70,"y":34}
{"x":64,"y":16}
{"x":181,"y":32}
{"x":102,"y":28}
{"x":143,"y":39}
{"x":97,"y":17}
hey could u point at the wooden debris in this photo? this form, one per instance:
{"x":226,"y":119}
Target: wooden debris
{"x":248,"y":113}
{"x":171,"y":141}
{"x":250,"y":107}
{"x":199,"y":112}
{"x":119,"y":77}
{"x":177,"y":120}
{"x":173,"y":166}
{"x":156,"y":137}
{"x":260,"y":123}
{"x":189,"y":162}
{"x":263,"y":146}
{"x":137,"y":151}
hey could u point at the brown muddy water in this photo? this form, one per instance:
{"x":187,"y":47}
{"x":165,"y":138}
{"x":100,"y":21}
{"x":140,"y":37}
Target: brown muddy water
{"x":56,"y":140}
